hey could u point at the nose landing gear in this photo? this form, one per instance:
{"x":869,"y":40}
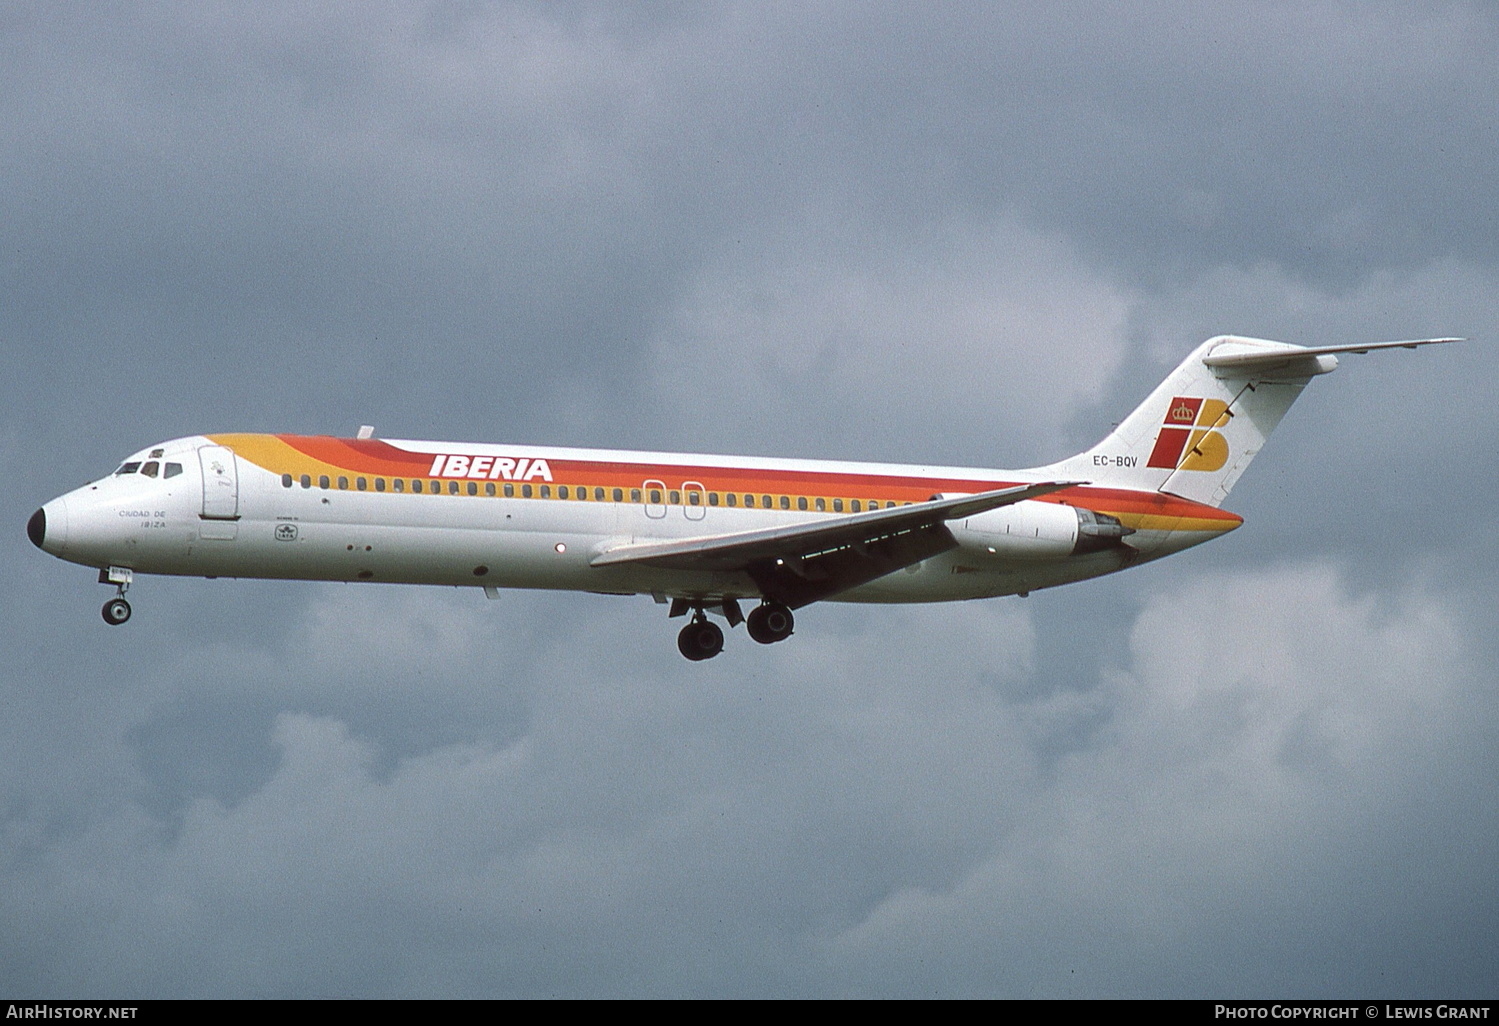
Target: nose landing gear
{"x":116,"y":611}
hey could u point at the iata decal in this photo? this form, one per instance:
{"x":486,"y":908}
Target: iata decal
{"x":492,"y":468}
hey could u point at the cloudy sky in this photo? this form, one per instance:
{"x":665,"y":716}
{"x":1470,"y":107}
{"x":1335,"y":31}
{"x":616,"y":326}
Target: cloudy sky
{"x":967,"y":233}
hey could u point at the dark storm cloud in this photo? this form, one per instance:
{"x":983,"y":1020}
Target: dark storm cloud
{"x":962,"y":233}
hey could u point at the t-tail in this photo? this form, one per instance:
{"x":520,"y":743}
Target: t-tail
{"x":1199,"y":429}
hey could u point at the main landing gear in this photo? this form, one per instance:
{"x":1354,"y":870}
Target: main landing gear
{"x":116,"y":611}
{"x":703,"y":639}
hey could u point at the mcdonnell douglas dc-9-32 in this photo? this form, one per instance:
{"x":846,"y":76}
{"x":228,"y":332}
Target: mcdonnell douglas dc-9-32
{"x":702,"y":534}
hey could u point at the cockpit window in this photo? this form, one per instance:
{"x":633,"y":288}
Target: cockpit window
{"x":128,"y":468}
{"x":170,"y":470}
{"x":151,"y":469}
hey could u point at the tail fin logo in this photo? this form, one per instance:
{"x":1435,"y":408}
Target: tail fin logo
{"x":1188,"y":441}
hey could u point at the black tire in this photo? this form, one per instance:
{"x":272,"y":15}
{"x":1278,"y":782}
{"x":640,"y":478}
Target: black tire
{"x":700,"y":640}
{"x":116,"y":611}
{"x":770,"y":623}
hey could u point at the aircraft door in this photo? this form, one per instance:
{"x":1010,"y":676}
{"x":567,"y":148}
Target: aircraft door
{"x":220,"y":483}
{"x":655,"y":499}
{"x":694,"y":500}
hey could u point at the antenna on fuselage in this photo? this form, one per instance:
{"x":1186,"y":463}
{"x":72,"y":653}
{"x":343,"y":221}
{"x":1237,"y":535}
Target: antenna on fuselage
{"x":366,"y":431}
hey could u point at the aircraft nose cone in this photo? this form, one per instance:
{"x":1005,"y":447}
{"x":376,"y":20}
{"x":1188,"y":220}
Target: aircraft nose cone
{"x":36,"y":528}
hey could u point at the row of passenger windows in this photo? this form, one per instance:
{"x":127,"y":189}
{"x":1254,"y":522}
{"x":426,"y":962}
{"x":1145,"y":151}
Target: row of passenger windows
{"x":653,"y":496}
{"x":150,"y":469}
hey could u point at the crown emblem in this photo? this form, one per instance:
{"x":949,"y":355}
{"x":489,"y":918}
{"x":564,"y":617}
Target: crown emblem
{"x":1183,"y":413}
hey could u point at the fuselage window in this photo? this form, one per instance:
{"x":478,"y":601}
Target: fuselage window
{"x":306,"y":480}
{"x":416,"y":485}
{"x":713,"y":498}
{"x":676,"y":497}
{"x":150,"y":469}
{"x":598,"y":495}
{"x":452,"y":487}
{"x":343,"y":483}
{"x":822,"y":505}
{"x":510,"y":491}
{"x":285,"y":480}
{"x":398,"y":483}
{"x":361,"y":483}
{"x":635,"y":495}
{"x":656,"y":496}
{"x":473,"y":488}
{"x":525,"y":491}
{"x":854,"y":505}
{"x":128,"y":468}
{"x":561,"y":491}
{"x":379,"y":484}
{"x":322,"y":482}
{"x":546,"y":491}
{"x":765,"y":501}
{"x":695,"y":498}
{"x":837,"y":505}
{"x":801,"y":502}
{"x":731,"y":498}
{"x":488,"y":487}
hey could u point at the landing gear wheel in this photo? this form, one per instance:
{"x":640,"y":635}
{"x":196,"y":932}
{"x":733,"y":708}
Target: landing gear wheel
{"x":699,"y":640}
{"x":770,"y":623}
{"x":116,"y":611}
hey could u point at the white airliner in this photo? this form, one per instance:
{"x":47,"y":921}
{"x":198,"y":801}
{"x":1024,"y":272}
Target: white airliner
{"x":704,"y":533}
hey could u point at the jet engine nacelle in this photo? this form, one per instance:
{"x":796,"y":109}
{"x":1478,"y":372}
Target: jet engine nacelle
{"x":1038,"y":530}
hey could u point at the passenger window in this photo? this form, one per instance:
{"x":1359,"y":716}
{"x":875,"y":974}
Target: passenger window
{"x":801,"y":502}
{"x":546,"y":491}
{"x":379,"y":484}
{"x":822,"y":505}
{"x":854,"y":505}
{"x":343,"y":483}
{"x":695,"y":498}
{"x":731,"y":499}
{"x":285,"y":480}
{"x":509,"y":491}
{"x":306,"y":480}
{"x":561,"y":491}
{"x":488,"y":487}
{"x":525,"y":491}
{"x":416,"y":485}
{"x":676,"y":497}
{"x":765,"y":501}
{"x":635,"y":495}
{"x":322,"y":482}
{"x":452,"y":487}
{"x":150,"y":469}
{"x":785,"y":502}
{"x":361,"y":484}
{"x":473,"y":488}
{"x":837,"y":505}
{"x":173,"y":469}
{"x":398,"y":483}
{"x":598,"y":494}
{"x":713,"y":498}
{"x":656,"y":496}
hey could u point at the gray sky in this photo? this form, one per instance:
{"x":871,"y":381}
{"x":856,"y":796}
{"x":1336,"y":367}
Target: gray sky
{"x":974,"y":234}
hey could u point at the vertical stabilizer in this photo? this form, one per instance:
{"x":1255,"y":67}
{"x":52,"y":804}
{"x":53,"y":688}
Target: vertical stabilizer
{"x":1199,"y":429}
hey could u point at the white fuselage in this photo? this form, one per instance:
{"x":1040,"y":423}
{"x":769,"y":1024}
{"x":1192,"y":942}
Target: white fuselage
{"x":323,"y":509}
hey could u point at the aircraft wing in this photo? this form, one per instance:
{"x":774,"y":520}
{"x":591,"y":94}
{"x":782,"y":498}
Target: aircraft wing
{"x":805,"y":562}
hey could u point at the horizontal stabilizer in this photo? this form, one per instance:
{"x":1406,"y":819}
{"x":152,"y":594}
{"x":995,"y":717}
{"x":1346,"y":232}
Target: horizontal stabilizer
{"x":1246,"y":356}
